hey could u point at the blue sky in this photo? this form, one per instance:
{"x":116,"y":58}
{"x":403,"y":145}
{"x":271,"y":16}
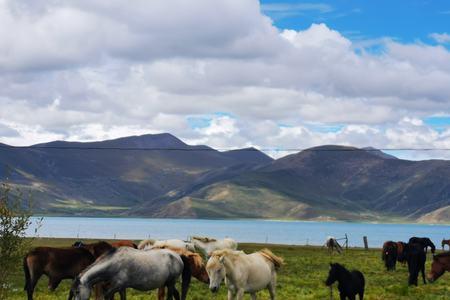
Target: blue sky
{"x":405,"y":21}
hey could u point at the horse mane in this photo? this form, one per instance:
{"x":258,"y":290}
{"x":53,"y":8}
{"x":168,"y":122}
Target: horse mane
{"x":276,"y":260}
{"x":195,"y":257}
{"x":145,"y":243}
{"x":231,"y":254}
{"x":341,"y":268}
{"x":204,"y":239}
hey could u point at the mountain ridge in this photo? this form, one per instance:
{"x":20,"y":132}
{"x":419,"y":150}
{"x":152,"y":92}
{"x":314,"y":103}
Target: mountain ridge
{"x":154,"y":179}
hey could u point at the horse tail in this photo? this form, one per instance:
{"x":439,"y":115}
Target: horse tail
{"x":26,"y":270}
{"x":185,"y":276}
{"x":276,"y":260}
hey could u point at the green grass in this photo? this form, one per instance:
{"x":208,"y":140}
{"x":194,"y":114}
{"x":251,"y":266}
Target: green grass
{"x":71,"y":204}
{"x":301,"y":278}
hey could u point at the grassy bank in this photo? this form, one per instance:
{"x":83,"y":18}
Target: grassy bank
{"x":301,"y":278}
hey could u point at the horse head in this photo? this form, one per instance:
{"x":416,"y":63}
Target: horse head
{"x":79,"y":290}
{"x":332,"y":274}
{"x":215,"y":267}
{"x":436,"y":271}
{"x":78,"y":244}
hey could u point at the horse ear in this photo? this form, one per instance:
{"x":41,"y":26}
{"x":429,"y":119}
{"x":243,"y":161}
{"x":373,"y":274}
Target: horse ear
{"x":221,"y":259}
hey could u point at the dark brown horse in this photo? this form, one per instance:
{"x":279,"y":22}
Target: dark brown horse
{"x":445,"y":242}
{"x":389,"y":255}
{"x":416,"y":257}
{"x":56,"y":263}
{"x":440,"y":264}
{"x":401,"y":257}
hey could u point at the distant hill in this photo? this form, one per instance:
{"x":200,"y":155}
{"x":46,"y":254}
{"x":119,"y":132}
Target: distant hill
{"x":103,"y":178}
{"x":161,"y":176}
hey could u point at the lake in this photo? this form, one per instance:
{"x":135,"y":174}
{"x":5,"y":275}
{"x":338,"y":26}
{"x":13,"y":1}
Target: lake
{"x":260,"y":231}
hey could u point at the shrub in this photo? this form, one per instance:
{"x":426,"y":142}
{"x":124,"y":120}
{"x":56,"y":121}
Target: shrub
{"x":14,"y":221}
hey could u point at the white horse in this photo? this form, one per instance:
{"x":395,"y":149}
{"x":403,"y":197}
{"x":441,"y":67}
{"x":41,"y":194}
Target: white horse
{"x":243,"y":273}
{"x":131,"y":268}
{"x":332,"y":244}
{"x":208,"y":245}
{"x":171,"y":243}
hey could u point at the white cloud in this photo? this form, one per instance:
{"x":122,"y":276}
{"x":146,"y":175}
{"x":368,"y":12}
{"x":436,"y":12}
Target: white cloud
{"x":92,"y":70}
{"x":441,"y":38}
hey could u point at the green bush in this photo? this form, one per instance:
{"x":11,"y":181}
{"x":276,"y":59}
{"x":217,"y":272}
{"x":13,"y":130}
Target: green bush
{"x":14,"y":220}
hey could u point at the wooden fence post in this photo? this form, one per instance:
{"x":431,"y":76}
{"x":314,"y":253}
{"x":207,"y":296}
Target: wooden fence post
{"x":366,"y":244}
{"x":346,"y":242}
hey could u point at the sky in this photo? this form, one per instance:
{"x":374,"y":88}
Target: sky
{"x":274,"y":75}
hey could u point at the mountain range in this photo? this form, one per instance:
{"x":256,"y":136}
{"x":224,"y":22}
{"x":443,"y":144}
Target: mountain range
{"x":161,"y":176}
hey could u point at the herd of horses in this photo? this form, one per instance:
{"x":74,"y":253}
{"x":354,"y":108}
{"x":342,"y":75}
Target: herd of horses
{"x":109,"y":268}
{"x":414,"y":254}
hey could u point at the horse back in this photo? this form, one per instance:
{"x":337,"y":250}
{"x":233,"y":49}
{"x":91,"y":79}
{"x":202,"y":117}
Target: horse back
{"x":59,"y":262}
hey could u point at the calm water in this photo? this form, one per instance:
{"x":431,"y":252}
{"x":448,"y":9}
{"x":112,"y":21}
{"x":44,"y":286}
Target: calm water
{"x":292,"y":232}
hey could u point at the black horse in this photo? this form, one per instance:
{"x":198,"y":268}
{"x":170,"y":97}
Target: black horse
{"x":424,"y":241}
{"x":389,"y":255}
{"x":416,"y":257}
{"x":350,"y":284}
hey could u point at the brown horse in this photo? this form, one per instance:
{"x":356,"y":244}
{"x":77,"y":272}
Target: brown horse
{"x":389,"y":254}
{"x":440,"y":264}
{"x":56,"y":263}
{"x":401,"y":257}
{"x":124,"y":243}
{"x":195,"y":265}
{"x":445,"y":242}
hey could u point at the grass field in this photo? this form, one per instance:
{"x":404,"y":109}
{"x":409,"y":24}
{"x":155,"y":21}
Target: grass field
{"x":301,"y":278}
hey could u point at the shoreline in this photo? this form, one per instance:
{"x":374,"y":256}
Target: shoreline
{"x":246,"y":219}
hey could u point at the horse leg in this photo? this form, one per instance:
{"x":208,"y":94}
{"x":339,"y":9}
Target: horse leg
{"x":109,"y":292}
{"x":98,"y":291}
{"x":240,"y":294}
{"x":272,"y":288}
{"x":231,"y":295}
{"x":53,"y":283}
{"x":172,"y":291}
{"x":253,"y":295}
{"x":123,"y":294}
{"x":423,"y":274}
{"x":342,"y":296}
{"x":34,"y":278}
{"x":185,"y":279}
{"x":361,"y":295}
{"x":161,"y":293}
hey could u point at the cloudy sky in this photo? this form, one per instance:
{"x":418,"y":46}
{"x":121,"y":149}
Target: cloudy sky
{"x":228,"y":73}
